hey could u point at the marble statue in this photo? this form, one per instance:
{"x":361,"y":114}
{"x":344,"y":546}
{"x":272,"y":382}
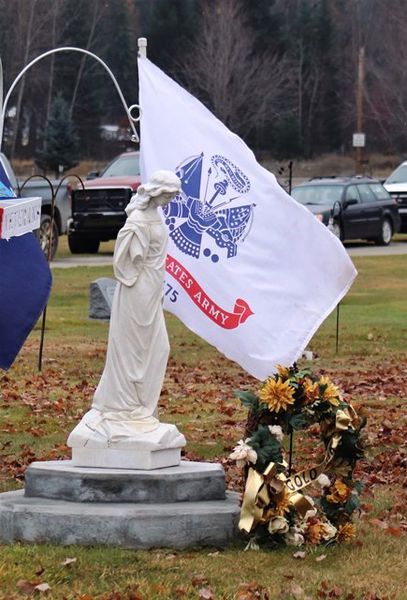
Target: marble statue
{"x":122,"y":428}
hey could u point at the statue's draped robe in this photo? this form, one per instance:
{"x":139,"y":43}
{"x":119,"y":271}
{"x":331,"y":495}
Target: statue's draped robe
{"x":138,"y":347}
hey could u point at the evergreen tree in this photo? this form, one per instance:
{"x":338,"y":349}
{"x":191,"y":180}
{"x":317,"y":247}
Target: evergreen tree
{"x":172,"y":27}
{"x":60,"y":142}
{"x":120,"y":53}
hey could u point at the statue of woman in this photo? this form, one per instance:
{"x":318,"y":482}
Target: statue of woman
{"x":124,"y":408}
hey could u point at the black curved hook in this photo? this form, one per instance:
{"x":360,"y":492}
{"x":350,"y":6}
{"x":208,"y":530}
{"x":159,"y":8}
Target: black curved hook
{"x":54,"y":193}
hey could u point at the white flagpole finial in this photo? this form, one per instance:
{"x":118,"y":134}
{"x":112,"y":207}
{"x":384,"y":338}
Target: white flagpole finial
{"x":142,"y":47}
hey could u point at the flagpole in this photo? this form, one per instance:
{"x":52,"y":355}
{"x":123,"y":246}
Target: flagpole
{"x":337,"y":328}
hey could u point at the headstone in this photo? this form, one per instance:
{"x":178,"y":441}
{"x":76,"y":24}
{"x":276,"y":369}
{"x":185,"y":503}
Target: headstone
{"x":101,"y":297}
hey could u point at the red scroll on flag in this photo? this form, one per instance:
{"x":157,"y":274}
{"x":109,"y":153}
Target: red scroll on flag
{"x":220,"y":316}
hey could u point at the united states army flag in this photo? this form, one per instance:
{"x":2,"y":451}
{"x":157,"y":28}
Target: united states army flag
{"x":248,"y":269}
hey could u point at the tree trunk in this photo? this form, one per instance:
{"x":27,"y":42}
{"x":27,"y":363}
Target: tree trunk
{"x":55,"y":14}
{"x":83,"y":59}
{"x":22,"y":83}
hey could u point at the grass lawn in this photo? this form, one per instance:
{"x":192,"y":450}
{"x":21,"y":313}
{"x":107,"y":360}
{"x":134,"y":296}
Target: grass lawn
{"x":38,"y":410}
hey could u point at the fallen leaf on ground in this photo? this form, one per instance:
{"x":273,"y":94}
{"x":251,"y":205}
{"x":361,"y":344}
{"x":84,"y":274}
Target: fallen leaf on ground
{"x":206,"y":594}
{"x":296,"y":590}
{"x":199,"y":579}
{"x":43,"y":587}
{"x":180,"y":591}
{"x":68,"y":561}
{"x":26,"y":587}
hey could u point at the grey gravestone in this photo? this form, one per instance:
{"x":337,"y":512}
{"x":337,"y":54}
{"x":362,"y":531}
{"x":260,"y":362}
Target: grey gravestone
{"x":101,"y":297}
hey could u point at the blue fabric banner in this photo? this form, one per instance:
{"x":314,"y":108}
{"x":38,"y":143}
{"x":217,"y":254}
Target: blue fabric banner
{"x":6,"y":191}
{"x":25,"y":285}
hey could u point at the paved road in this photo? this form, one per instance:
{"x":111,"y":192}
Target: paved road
{"x":98,"y":260}
{"x":363,"y":249}
{"x":354,"y":249}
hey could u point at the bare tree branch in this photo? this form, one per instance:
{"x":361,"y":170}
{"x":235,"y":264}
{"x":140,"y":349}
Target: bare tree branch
{"x":222,"y":69}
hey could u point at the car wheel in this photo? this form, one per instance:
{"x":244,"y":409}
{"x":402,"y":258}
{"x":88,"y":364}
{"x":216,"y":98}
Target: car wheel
{"x":386,"y":233}
{"x":43,"y":234}
{"x":79,"y":244}
{"x":337,"y":230}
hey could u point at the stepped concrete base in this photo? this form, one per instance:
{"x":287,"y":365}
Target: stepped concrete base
{"x":174,"y":525}
{"x":187,"y":482}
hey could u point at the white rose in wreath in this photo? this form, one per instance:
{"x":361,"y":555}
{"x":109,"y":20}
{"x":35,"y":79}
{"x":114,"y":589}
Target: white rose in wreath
{"x":293,"y":538}
{"x":243,"y":453}
{"x":323,"y":480}
{"x":278,"y":525}
{"x":329,"y":531}
{"x":277,"y":432}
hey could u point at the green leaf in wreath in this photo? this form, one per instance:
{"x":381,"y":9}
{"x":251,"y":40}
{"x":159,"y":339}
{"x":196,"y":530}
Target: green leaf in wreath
{"x":267,"y":446}
{"x":302,"y":373}
{"x":348,"y":447}
{"x":352,"y":503}
{"x":248,"y":399}
{"x":331,"y":510}
{"x":298,"y":421}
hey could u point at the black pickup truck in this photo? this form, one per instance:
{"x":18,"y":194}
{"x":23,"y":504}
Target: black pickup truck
{"x":98,"y":210}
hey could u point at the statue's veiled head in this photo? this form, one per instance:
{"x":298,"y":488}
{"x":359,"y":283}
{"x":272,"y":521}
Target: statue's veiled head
{"x":160,"y":190}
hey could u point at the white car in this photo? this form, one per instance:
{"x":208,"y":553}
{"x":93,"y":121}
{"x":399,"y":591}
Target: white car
{"x":396,"y":185}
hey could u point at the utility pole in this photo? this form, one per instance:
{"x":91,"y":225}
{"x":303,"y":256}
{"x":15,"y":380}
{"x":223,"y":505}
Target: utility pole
{"x":359,"y":137}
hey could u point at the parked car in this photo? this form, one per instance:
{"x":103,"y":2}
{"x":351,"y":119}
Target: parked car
{"x":353,"y":207}
{"x":98,"y":210}
{"x":40,"y":188}
{"x":396,"y":185}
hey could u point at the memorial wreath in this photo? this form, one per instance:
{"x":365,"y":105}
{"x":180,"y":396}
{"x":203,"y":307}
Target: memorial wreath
{"x":274,"y":508}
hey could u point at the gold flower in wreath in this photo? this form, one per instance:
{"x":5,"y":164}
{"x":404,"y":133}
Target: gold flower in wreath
{"x":282,"y":501}
{"x":315,"y":532}
{"x":277,"y":394}
{"x":284,"y":372}
{"x":311,"y":391}
{"x":331,"y":393}
{"x":346,"y":533}
{"x":339,"y":492}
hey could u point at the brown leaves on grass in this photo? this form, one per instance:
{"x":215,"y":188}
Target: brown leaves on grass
{"x":252,"y":591}
{"x":200,"y":397}
{"x":206,"y":594}
{"x":384,"y":381}
{"x":29,"y":588}
{"x":199,"y":579}
{"x":327,"y":590}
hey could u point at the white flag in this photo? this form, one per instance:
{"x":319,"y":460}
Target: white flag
{"x":248,"y":269}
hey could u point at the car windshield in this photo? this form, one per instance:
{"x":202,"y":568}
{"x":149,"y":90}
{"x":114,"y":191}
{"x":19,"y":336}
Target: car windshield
{"x":399,"y":175}
{"x":125,"y":165}
{"x":317,"y":194}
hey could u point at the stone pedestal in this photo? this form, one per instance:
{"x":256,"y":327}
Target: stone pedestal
{"x":172,"y":507}
{"x":92,"y":445}
{"x":113,"y":458}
